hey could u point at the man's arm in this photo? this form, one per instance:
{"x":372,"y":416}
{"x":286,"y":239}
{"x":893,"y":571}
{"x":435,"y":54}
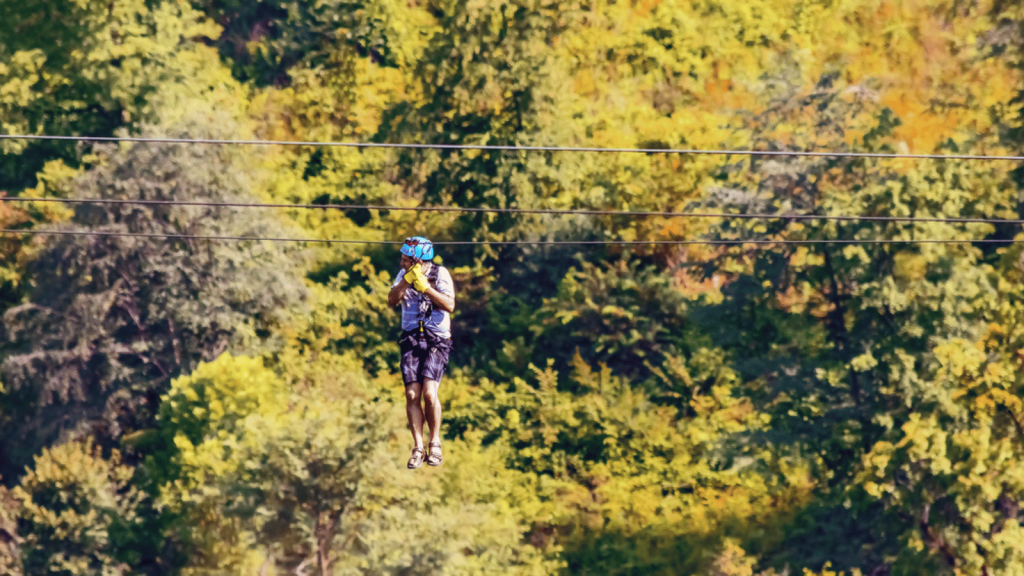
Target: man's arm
{"x":443,"y":296}
{"x":441,"y":300}
{"x":398,"y":292}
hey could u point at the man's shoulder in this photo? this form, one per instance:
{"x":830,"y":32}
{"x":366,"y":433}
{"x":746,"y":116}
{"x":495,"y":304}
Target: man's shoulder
{"x":444,"y":280}
{"x":443,"y":275}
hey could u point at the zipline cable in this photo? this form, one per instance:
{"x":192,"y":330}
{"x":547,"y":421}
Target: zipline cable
{"x":508,"y":242}
{"x":502,"y":148}
{"x":668,"y":214}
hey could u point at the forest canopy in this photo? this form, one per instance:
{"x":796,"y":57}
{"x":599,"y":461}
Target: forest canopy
{"x":788,"y":405}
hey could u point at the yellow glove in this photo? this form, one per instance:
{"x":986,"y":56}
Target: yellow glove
{"x":413,"y":272}
{"x":414,"y":275}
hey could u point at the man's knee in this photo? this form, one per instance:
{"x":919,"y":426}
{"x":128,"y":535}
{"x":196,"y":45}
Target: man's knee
{"x":413,"y":392}
{"x":430,"y":390}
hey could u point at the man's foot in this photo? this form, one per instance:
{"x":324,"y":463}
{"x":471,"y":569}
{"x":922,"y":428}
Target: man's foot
{"x":417,"y":458}
{"x":435,"y":458}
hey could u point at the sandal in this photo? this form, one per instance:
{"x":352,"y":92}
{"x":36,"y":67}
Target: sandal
{"x":432,"y":458}
{"x":417,"y":458}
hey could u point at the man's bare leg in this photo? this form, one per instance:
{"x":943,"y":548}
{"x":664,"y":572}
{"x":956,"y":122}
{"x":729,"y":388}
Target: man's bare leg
{"x":413,"y":395}
{"x":433,"y":408}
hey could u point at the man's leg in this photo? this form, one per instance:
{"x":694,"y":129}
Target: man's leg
{"x":413,"y":395}
{"x":436,"y":362}
{"x":433,"y":406}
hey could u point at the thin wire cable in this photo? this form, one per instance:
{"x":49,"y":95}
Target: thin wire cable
{"x":509,"y":242}
{"x":669,"y":214}
{"x":502,"y":148}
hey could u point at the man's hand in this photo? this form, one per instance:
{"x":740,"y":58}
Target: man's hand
{"x":414,"y":275}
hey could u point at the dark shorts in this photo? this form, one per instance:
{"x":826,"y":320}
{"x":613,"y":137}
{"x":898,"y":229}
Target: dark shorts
{"x":424,"y":356}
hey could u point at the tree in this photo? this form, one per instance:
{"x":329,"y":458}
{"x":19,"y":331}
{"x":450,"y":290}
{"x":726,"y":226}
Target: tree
{"x":10,"y":271}
{"x":304,"y":474}
{"x":10,"y":542}
{"x":266,"y":40}
{"x":630,"y":320}
{"x":628,"y":484}
{"x":841,"y":344}
{"x":77,"y":511}
{"x":123,"y":52}
{"x":111,"y":319}
{"x":488,"y":79}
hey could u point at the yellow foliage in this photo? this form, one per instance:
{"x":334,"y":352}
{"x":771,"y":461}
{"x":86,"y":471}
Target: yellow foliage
{"x":69,"y":501}
{"x":828,"y":571}
{"x":606,"y":457}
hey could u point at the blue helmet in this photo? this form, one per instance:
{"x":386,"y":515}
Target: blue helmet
{"x":419,"y":248}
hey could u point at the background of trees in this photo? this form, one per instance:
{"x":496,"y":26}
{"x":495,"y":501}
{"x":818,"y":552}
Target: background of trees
{"x":204,"y":407}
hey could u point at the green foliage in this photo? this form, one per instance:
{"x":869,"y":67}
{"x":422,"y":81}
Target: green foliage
{"x":10,"y":542}
{"x":754,"y":409}
{"x":489,"y":79}
{"x":111,"y":319}
{"x":264,"y":40}
{"x":620,"y":474}
{"x":841,"y":344}
{"x":628,"y":319}
{"x":78,"y":512}
{"x":349,"y":315}
{"x":212,"y":403}
{"x":948,"y":472}
{"x":289,"y":478}
{"x":85,"y":67}
{"x":308,"y":477}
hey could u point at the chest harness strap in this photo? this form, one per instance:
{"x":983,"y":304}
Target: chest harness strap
{"x":432,"y":281}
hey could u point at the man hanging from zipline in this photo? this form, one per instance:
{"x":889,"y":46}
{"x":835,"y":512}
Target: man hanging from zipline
{"x":427,"y":295}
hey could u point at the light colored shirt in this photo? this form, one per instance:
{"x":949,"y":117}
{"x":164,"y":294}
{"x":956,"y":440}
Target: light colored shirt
{"x":417,"y":306}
